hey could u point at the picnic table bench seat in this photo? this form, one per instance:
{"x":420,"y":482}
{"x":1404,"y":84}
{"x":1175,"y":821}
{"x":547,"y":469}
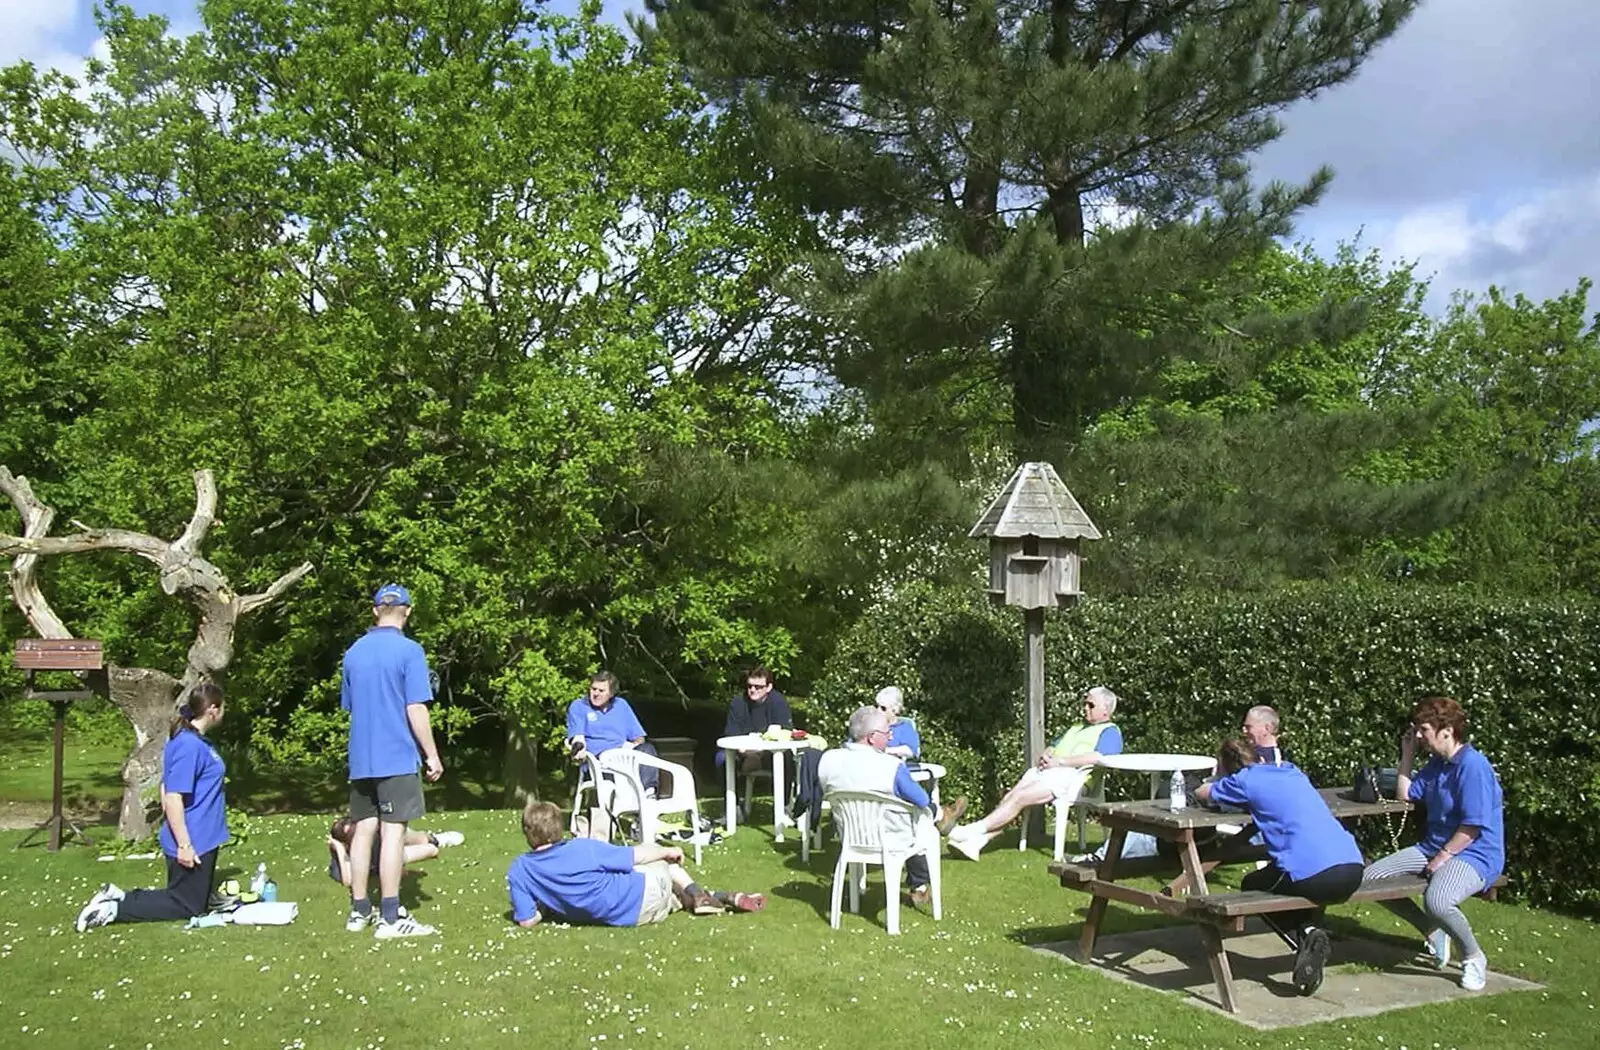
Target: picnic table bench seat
{"x":1261,"y":902}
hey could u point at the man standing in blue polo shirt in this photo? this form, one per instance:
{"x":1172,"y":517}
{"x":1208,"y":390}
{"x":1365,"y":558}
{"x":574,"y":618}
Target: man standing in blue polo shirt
{"x":602,"y":720}
{"x":384,"y":684}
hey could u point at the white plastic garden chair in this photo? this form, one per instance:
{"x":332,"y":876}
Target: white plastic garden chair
{"x":590,"y":781}
{"x":859,"y":818}
{"x":810,"y":838}
{"x":1094,"y":790}
{"x":622,"y":763}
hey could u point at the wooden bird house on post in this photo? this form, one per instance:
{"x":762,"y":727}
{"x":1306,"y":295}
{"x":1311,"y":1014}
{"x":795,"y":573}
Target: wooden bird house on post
{"x":1034,"y":527}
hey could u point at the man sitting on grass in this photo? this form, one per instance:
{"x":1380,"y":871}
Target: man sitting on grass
{"x":588,"y":881}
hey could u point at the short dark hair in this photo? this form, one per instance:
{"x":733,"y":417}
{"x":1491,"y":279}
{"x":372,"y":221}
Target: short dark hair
{"x":759,"y":672}
{"x":606,"y":677}
{"x":343,"y":830}
{"x":1442,"y":712}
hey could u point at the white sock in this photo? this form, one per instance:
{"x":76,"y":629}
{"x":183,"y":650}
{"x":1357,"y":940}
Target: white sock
{"x":962,"y":831}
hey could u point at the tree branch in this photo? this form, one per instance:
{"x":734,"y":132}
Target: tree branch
{"x":205,"y":509}
{"x":36,"y":520}
{"x":249,"y":603}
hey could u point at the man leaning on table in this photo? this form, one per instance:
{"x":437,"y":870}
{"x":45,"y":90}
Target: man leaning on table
{"x":1061,"y":772}
{"x":758,"y":706}
{"x":862,"y":764}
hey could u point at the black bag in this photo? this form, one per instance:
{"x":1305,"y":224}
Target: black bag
{"x":1374,"y":783}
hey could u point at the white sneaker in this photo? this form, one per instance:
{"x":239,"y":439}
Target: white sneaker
{"x":98,"y":912}
{"x":968,"y":846}
{"x":449,"y":838}
{"x":1437,"y":945}
{"x":110,"y":892}
{"x":405,"y":926}
{"x":355,"y":922}
{"x":1474,"y":973}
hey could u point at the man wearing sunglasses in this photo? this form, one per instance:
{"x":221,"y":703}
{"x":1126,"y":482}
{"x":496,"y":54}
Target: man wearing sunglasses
{"x":1060,"y":774}
{"x":752,"y":711}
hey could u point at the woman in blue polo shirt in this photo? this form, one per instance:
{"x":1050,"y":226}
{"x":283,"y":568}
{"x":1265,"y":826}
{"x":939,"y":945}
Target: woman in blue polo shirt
{"x":903,"y":740}
{"x":1463,"y":843}
{"x":1310,"y":853}
{"x":192,"y":831}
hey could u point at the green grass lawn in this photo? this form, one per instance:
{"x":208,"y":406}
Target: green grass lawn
{"x":778,"y":978}
{"x":90,"y":770}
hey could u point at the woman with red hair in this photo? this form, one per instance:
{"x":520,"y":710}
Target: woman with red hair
{"x":1463,"y":843}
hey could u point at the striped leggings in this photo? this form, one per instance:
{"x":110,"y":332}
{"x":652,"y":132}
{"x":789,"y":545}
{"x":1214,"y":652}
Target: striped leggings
{"x":1441,"y":904}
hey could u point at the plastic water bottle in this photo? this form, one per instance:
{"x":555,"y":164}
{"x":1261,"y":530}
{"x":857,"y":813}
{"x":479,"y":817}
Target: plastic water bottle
{"x":269,"y":892}
{"x":258,"y":885}
{"x":1177,"y":793}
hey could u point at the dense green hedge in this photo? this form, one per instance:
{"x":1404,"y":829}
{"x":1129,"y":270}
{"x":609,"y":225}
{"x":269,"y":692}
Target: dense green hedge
{"x":1342,"y":667}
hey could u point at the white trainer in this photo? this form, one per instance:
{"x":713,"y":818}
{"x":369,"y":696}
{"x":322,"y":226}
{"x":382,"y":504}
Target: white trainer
{"x":355,"y":922}
{"x":1474,"y":973}
{"x":98,"y":912}
{"x":969,"y":846}
{"x":1437,"y":945}
{"x":449,"y":838}
{"x":405,"y":926}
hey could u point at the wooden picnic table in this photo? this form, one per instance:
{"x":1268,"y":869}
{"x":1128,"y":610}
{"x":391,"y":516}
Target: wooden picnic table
{"x":1177,"y":898}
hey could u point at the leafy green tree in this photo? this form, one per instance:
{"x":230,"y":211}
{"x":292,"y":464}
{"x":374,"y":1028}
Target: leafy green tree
{"x":439,"y":290}
{"x":1036,"y":204}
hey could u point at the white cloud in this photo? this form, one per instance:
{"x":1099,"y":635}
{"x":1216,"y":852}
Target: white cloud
{"x":35,"y":29}
{"x":1540,"y":242}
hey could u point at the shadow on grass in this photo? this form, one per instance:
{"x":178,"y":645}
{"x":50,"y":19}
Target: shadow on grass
{"x":814,"y":894}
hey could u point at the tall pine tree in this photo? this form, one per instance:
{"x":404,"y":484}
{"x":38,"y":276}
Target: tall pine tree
{"x":1036,"y":202}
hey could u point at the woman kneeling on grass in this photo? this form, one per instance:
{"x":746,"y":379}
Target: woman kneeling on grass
{"x":1310,"y":854}
{"x":1462,"y":850}
{"x":193,"y":828}
{"x":419,"y":846}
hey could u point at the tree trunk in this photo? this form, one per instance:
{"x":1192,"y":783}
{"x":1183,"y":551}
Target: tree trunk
{"x":147,"y":698}
{"x":521,"y":767}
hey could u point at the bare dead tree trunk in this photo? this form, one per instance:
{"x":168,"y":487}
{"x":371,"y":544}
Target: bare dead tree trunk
{"x":147,"y":698}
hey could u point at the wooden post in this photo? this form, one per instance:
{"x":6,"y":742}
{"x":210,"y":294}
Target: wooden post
{"x":56,"y":816}
{"x":1033,"y":629}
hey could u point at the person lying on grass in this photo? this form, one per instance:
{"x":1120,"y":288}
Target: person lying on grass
{"x":593,"y":882}
{"x":419,"y":846}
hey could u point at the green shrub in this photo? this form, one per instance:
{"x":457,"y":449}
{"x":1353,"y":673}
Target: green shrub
{"x":1341,"y":666}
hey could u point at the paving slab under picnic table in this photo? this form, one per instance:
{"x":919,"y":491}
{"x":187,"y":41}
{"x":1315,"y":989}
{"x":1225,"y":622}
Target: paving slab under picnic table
{"x":1364,"y":976}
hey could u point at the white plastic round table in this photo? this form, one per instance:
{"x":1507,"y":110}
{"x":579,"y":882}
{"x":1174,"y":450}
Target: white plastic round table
{"x":755,"y":742}
{"x":1159,"y":766}
{"x":932,"y":772}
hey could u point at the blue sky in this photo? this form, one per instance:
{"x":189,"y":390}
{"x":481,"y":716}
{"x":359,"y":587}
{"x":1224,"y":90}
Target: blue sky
{"x":1470,"y":144}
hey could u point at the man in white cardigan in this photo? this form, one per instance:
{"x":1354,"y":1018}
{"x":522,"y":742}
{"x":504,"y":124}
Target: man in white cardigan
{"x":862,"y":765}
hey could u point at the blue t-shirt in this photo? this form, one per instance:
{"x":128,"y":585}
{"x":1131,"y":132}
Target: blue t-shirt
{"x":577,"y":881}
{"x":383,"y":672}
{"x":903,"y":733}
{"x":602,"y":728}
{"x":1110,"y":742}
{"x":192,"y":768}
{"x":1463,"y":790}
{"x":1303,"y":837}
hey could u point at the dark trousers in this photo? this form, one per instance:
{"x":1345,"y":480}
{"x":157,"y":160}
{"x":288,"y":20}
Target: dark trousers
{"x":187,"y":894}
{"x":916,"y":871}
{"x":1328,"y":886}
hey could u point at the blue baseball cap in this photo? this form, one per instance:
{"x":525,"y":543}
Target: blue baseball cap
{"x":391,"y":594}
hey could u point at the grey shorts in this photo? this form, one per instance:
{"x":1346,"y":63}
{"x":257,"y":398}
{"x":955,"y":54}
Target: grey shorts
{"x":393,"y":800}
